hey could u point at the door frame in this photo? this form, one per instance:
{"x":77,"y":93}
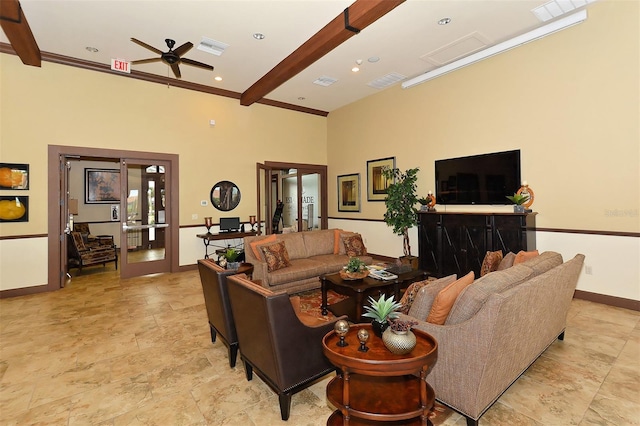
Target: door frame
{"x":56,"y":239}
{"x":269,"y":166}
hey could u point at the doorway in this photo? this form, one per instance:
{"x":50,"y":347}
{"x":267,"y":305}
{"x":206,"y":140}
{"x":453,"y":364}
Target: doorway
{"x":291,"y":196}
{"x":153,"y":177}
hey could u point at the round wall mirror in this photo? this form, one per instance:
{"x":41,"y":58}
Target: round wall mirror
{"x":225,"y":196}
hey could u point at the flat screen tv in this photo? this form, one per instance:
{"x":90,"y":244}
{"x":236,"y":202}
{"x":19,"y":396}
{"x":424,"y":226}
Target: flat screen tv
{"x":478,"y":179}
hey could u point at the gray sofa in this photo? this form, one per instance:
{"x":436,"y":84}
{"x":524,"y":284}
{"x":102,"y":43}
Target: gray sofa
{"x":312,"y":253}
{"x":497,"y":327}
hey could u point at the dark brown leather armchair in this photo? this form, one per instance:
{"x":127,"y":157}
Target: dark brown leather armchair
{"x":216,"y":299}
{"x":274,"y":342}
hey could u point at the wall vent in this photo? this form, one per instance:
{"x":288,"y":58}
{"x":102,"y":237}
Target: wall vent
{"x":212,"y":46}
{"x":325,"y":81}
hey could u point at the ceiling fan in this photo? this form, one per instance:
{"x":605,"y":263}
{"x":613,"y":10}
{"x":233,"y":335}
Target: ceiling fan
{"x":173,"y":58}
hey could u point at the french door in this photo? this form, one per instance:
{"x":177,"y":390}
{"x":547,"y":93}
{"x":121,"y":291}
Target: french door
{"x":299,"y":189}
{"x":145,"y":217}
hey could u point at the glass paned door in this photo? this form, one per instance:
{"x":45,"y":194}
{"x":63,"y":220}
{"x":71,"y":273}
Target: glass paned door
{"x":145,"y":218}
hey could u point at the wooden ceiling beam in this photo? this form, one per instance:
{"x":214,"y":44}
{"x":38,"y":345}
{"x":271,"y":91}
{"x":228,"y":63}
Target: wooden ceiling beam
{"x":361,"y":14}
{"x":16,"y":28}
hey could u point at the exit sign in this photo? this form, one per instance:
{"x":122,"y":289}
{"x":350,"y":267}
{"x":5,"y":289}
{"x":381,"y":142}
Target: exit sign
{"x":121,"y":65}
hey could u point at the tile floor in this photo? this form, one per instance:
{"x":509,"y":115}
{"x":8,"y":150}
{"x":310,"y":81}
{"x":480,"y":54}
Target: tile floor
{"x":106,"y":351}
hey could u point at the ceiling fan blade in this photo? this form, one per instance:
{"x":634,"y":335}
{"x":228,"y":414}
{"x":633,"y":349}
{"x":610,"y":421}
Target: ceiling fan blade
{"x":176,"y":70}
{"x":195,"y":63}
{"x":145,"y":45}
{"x":146,"y":61}
{"x":183,"y":49}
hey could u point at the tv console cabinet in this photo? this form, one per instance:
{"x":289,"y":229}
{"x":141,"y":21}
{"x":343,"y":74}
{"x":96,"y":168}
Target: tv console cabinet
{"x":456,"y":243}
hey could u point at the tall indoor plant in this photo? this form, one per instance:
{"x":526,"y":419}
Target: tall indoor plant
{"x":400,"y":202}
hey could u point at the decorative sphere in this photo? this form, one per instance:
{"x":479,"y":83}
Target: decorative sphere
{"x":341,"y":327}
{"x":363,"y":335}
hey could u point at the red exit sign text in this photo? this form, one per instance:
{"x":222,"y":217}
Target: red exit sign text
{"x":121,"y":65}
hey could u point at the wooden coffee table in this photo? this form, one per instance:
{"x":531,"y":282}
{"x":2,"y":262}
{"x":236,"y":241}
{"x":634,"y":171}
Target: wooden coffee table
{"x":378,"y":386}
{"x":359,"y":290}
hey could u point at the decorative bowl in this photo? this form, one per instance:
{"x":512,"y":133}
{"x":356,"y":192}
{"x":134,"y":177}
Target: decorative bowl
{"x":350,"y":276}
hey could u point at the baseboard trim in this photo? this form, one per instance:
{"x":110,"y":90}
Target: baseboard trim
{"x":15,"y":292}
{"x":618,"y":302}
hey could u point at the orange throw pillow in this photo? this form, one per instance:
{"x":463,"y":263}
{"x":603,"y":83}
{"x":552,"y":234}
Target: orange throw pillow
{"x":255,"y":243}
{"x":336,"y":241}
{"x":523,"y":256}
{"x":446,"y":298}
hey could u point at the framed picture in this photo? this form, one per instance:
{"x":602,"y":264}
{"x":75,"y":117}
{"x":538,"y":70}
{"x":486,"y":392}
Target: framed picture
{"x":349,"y":193}
{"x":14,"y":176}
{"x":14,"y":209}
{"x":377,"y":184}
{"x":101,"y":185}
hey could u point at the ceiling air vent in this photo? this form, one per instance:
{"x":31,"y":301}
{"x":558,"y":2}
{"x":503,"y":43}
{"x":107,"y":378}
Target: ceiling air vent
{"x":212,"y":46}
{"x":386,"y":80}
{"x":325,"y":81}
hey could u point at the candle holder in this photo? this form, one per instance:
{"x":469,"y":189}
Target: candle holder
{"x":253,"y":222}
{"x":208,"y":224}
{"x":363,"y":336}
{"x":341,"y":328}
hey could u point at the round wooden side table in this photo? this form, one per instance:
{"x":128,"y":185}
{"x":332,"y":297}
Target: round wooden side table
{"x":378,"y":386}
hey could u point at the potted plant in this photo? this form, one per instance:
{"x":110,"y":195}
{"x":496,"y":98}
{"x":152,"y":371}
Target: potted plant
{"x":381,"y":311}
{"x":231,"y":255}
{"x":400,"y":202}
{"x":354,"y":270}
{"x":518,"y":200}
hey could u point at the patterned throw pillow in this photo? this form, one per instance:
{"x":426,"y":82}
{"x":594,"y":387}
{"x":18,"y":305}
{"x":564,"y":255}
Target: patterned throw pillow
{"x":354,"y":246}
{"x":410,"y":294}
{"x":491,"y":262}
{"x":276,"y":256}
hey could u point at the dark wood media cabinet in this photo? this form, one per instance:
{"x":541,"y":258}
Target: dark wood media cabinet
{"x":456,"y":243}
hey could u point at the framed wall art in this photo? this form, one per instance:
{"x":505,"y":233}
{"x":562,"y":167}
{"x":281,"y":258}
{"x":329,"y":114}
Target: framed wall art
{"x":14,"y":176}
{"x":101,"y":185}
{"x":14,"y":209}
{"x":349,"y":193}
{"x":377,"y":184}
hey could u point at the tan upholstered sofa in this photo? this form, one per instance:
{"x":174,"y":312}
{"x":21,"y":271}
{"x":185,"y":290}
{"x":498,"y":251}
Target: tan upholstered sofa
{"x":311,"y":254}
{"x":497,"y":327}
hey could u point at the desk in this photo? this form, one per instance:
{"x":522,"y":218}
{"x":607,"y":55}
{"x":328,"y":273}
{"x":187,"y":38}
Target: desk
{"x":208,"y":237}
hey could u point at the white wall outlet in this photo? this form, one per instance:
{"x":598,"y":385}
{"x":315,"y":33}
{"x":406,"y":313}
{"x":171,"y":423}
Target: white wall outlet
{"x":588,"y":270}
{"x":194,"y":216}
{"x":203,"y":203}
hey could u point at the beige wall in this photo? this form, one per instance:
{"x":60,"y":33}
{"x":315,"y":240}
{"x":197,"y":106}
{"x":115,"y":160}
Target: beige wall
{"x":570,"y":102}
{"x":61,"y":105}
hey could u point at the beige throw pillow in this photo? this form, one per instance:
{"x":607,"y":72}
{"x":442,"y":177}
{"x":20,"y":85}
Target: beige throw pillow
{"x":421,"y":305}
{"x":446,"y":298}
{"x":507,"y":261}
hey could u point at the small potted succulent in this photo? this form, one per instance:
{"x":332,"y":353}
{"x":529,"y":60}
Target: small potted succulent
{"x":381,"y":311}
{"x":518,"y":200}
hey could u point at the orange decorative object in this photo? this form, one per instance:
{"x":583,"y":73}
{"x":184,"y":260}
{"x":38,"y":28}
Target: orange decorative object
{"x":524,"y":189}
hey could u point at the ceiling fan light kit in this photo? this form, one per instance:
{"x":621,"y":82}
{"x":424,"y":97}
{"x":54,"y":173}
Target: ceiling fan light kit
{"x":536,"y":34}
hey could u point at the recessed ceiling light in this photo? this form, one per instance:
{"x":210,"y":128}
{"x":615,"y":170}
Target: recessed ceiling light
{"x":92,"y":49}
{"x":444,"y":21}
{"x":355,"y":69}
{"x":373,"y":59}
{"x":301,"y":98}
{"x":258,"y":36}
{"x":217,"y":78}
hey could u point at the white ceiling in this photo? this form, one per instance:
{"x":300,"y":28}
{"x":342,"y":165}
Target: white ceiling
{"x":402,"y":39}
